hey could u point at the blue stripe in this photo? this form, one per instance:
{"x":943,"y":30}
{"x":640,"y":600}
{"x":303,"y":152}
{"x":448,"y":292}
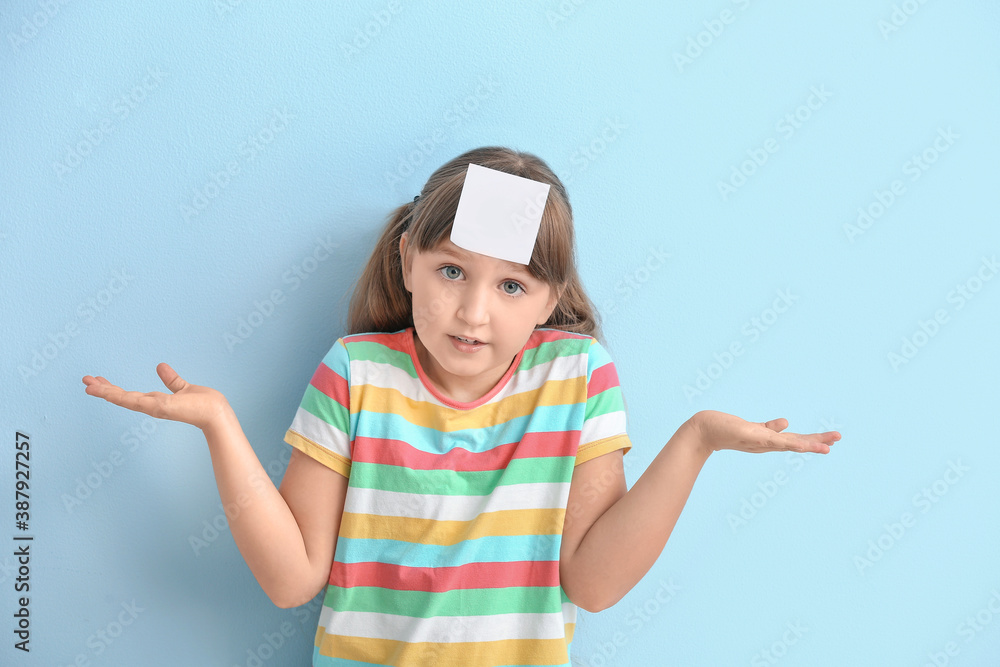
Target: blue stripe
{"x":543,"y":419}
{"x":501,"y":549}
{"x":320,"y":660}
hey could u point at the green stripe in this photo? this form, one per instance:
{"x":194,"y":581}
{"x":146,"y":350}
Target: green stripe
{"x":609,"y":400}
{"x":461,"y":482}
{"x":367,"y":350}
{"x":551,"y":350}
{"x":458,"y":602}
{"x":327,"y":409}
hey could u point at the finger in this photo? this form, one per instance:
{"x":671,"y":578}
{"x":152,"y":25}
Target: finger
{"x":170,"y":378}
{"x":814,"y":444}
{"x":135,"y":400}
{"x":114,"y":394}
{"x":107,"y":391}
{"x":828,"y":438}
{"x":791,"y":442}
{"x":777,"y":425}
{"x":95,"y":385}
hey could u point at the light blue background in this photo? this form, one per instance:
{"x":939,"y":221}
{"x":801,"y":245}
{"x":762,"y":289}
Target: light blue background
{"x":557,"y":78}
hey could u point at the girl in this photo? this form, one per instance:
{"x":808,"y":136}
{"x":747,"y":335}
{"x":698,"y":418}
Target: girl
{"x":457,"y":500}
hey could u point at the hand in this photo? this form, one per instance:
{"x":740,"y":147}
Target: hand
{"x":718,"y":430}
{"x":189,"y":403}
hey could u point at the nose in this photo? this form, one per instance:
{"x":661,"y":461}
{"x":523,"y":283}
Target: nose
{"x":474,"y":305}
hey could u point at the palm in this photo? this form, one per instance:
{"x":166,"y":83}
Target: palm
{"x":188,"y":403}
{"x":719,"y":430}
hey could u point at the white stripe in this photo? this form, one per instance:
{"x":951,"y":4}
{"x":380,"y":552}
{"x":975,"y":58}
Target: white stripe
{"x":396,"y":627}
{"x":602,"y":426}
{"x":540,"y":495}
{"x":323,"y":434}
{"x":569,"y":612}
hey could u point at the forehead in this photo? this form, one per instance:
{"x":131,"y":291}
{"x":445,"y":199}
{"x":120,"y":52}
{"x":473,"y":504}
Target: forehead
{"x":446,"y":247}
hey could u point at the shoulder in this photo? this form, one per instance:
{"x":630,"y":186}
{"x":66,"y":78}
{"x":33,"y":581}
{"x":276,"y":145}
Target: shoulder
{"x":359,"y":344}
{"x":568,"y":342}
{"x":363,"y":353}
{"x":589,"y":352}
{"x":557,"y":341}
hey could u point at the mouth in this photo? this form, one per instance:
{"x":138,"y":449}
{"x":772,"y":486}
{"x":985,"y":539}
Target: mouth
{"x":468,"y":341}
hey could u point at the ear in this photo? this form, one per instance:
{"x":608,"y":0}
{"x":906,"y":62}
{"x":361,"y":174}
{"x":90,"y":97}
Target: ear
{"x":405,"y":261}
{"x":554,"y":295}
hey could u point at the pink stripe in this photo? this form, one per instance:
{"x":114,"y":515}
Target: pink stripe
{"x":400,"y":453}
{"x":602,"y":378}
{"x":439,"y":579}
{"x":391,"y":341}
{"x":328,"y":381}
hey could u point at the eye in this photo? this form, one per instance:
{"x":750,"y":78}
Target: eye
{"x":506,"y":282}
{"x":515,"y":283}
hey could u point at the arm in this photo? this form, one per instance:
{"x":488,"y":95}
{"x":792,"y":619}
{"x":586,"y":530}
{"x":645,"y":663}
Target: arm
{"x":612,"y":537}
{"x":287,"y":538}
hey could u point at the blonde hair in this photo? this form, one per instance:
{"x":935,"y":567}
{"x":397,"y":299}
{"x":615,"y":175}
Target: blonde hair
{"x":381,"y":303}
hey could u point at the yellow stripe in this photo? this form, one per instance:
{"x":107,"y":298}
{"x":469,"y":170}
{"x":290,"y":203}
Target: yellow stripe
{"x":445,"y":419}
{"x":431,"y":531}
{"x":330,"y":459}
{"x":446,"y":654}
{"x":592,"y":450}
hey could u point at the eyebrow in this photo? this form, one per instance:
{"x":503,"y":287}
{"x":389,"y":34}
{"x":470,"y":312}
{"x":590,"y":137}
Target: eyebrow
{"x":510,"y":266}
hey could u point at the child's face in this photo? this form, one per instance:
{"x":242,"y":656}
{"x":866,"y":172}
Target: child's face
{"x":475,"y":296}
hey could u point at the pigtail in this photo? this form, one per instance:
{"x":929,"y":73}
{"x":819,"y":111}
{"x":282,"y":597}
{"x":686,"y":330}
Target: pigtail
{"x":575,"y":312}
{"x":380,"y":301}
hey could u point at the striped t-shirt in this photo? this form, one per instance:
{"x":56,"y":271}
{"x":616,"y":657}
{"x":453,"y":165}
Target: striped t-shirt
{"x":448,"y":551}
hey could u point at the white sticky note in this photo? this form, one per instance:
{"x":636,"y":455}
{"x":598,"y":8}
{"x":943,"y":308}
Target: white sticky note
{"x":499,"y":214}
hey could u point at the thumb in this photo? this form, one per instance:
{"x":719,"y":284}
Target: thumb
{"x":171,"y":379}
{"x":777,"y":425}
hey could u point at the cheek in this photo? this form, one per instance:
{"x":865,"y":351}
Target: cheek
{"x":432,"y":300}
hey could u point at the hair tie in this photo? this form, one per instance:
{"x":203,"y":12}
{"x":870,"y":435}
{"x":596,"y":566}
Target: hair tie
{"x":409,"y":218}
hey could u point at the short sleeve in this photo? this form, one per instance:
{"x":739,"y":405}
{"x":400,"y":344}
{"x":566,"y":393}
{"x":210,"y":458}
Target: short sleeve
{"x":321,"y":427}
{"x":603,"y":428}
